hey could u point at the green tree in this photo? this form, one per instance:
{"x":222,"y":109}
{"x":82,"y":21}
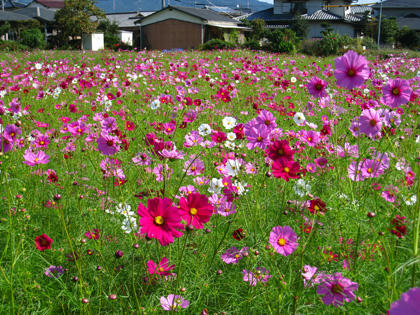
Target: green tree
{"x":408,"y":38}
{"x":389,"y":30}
{"x":300,"y":26}
{"x":110,"y":31}
{"x":74,"y":19}
{"x":4,"y":28}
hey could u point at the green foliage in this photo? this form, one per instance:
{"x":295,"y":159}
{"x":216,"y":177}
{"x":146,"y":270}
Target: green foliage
{"x":216,"y":44}
{"x":10,"y":45}
{"x":32,"y":38}
{"x":4,"y":28}
{"x":389,"y":30}
{"x":74,"y":19}
{"x":330,"y":44}
{"x":252,"y":44}
{"x":300,"y":26}
{"x":110,"y":31}
{"x":408,"y":38}
{"x":282,"y":41}
{"x":369,"y":42}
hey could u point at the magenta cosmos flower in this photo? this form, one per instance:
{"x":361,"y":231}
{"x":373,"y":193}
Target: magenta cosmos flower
{"x":259,"y":275}
{"x":316,"y":87}
{"x":283,"y":239}
{"x":370,"y":123}
{"x":33,"y":159}
{"x":408,"y":304}
{"x":195,"y":210}
{"x":107,"y":144}
{"x":43,"y":242}
{"x":233,"y":255}
{"x":351,"y":70}
{"x":280,"y":150}
{"x":336,"y":289}
{"x":160,"y":220}
{"x":162,"y":268}
{"x":173,"y":302}
{"x":286,"y":169}
{"x":396,"y":92}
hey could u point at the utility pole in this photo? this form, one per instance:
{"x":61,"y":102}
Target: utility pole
{"x":163,"y":4}
{"x":379,"y":25}
{"x":2,"y":5}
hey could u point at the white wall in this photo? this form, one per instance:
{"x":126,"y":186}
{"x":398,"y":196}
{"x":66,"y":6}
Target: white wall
{"x":93,"y":42}
{"x":126,"y":37}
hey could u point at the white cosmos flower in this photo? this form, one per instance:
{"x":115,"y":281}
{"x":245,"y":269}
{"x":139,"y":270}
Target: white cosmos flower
{"x":301,"y":187}
{"x":231,"y":136}
{"x":299,"y":119}
{"x":204,"y":130}
{"x":155,"y":104}
{"x":229,"y":122}
{"x":233,"y":167}
{"x":215,"y":186}
{"x":38,"y":66}
{"x":124,"y":209}
{"x":410,"y":200}
{"x":230,"y":145}
{"x":293,"y":80}
{"x":129,"y":224}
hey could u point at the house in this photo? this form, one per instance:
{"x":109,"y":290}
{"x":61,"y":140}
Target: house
{"x":47,"y":4}
{"x":184,"y":27}
{"x":407,"y":12}
{"x":339,"y":14}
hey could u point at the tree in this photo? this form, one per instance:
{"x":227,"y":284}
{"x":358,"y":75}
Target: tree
{"x":389,"y":30}
{"x":74,"y":19}
{"x":4,"y":28}
{"x":110,"y":31}
{"x":300,"y":26}
{"x":408,"y":38}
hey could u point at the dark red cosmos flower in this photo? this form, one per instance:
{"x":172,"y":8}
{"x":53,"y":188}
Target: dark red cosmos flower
{"x":129,"y":125}
{"x":43,"y":242}
{"x":398,"y":227}
{"x":317,"y":206}
{"x":218,"y":137}
{"x":239,"y":234}
{"x":239,"y":131}
{"x":286,"y":169}
{"x":280,"y":150}
{"x":195,"y":210}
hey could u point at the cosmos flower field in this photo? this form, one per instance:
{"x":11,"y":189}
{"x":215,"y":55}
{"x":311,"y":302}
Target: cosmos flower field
{"x":225,"y":182}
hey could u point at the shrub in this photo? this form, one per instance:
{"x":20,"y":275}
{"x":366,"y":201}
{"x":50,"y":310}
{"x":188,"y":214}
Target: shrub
{"x":33,"y":38}
{"x":216,"y":44}
{"x":10,"y":45}
{"x":252,"y":44}
{"x":369,"y":42}
{"x":408,"y":38}
{"x":310,"y":46}
{"x":329,"y":44}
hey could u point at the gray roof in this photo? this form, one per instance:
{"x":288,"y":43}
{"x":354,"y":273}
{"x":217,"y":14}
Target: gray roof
{"x":37,"y":13}
{"x":123,"y":19}
{"x":399,"y":4}
{"x":11,"y":16}
{"x":360,"y":9}
{"x":204,"y":14}
{"x":320,"y":15}
{"x":413,"y":23}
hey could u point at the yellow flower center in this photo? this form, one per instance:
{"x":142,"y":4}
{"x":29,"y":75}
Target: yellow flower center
{"x":159,"y":220}
{"x":193,"y":211}
{"x":396,"y":91}
{"x":369,"y":170}
{"x":286,"y":169}
{"x":281,"y":242}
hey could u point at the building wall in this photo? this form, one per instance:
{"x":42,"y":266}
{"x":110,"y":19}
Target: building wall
{"x":315,"y":29}
{"x":170,"y":34}
{"x":398,"y":12}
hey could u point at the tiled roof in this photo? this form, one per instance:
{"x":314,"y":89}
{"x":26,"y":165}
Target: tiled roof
{"x":123,"y":19}
{"x":401,"y":4}
{"x":360,"y":9}
{"x":12,"y":16}
{"x":38,"y":13}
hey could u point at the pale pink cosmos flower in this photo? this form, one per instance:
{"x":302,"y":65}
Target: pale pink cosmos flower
{"x":233,"y":255}
{"x":283,"y":239}
{"x":173,"y":302}
{"x":336,"y":289}
{"x":33,"y":159}
{"x":259,"y":275}
{"x":370,"y":123}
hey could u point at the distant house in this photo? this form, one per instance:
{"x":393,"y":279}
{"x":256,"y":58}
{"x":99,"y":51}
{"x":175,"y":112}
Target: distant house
{"x":183,"y":27}
{"x":340,"y":14}
{"x":407,"y":12}
{"x":48,"y":4}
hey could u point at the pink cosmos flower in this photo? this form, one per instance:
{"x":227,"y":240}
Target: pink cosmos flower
{"x":160,"y":220}
{"x":33,"y":159}
{"x":173,"y":302}
{"x":309,"y":275}
{"x":162,"y":268}
{"x":408,"y":304}
{"x":257,"y":137}
{"x":195,"y":210}
{"x":233,"y":255}
{"x":266,"y":118}
{"x":311,"y":137}
{"x":194,"y":166}
{"x":370,"y":123}
{"x":283,"y":239}
{"x":226,"y":208}
{"x":351,"y":70}
{"x":259,"y":275}
{"x":371,"y":169}
{"x":336,"y":289}
{"x":396,"y":92}
{"x":316,"y":87}
{"x":107,"y":144}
